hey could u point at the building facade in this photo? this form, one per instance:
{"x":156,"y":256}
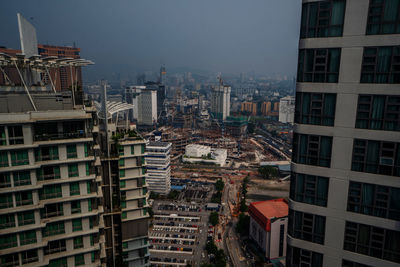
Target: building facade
{"x":158,"y":160}
{"x":268,"y":226}
{"x":144,"y":100}
{"x":220,"y":101}
{"x":344,"y":192}
{"x":286,"y":109}
{"x":249,"y":108}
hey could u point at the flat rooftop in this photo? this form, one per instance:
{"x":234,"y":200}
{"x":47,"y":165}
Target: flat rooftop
{"x":158,"y":144}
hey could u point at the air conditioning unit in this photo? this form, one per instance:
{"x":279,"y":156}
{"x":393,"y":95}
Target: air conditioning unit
{"x":386,"y":161}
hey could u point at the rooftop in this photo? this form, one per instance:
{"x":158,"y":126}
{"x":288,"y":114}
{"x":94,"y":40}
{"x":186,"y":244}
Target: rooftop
{"x":158,"y":144}
{"x":274,"y":208}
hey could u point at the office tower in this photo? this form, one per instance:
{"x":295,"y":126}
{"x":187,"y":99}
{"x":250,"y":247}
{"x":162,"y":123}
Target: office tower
{"x":163,"y":75}
{"x":161,"y":92}
{"x":158,"y":162}
{"x":286,"y":109}
{"x":345,"y":187}
{"x":124,"y":189}
{"x":144,"y":101}
{"x":220,"y":101}
{"x":50,"y":208}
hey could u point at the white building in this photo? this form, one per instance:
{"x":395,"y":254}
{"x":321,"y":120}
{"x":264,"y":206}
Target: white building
{"x":346,"y":141}
{"x":268,"y":226}
{"x":145,"y":104}
{"x":158,"y":167}
{"x":220,"y":101}
{"x":286,"y":109}
{"x":204,"y":154}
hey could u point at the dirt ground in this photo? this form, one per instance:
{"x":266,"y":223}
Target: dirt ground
{"x":260,"y":189}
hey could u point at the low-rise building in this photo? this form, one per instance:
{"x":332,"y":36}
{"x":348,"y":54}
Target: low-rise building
{"x":204,"y":154}
{"x":268,"y":226}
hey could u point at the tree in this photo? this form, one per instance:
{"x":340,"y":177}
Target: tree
{"x":268,"y":172}
{"x":211,"y":248}
{"x":243,"y":224}
{"x":219,"y":185}
{"x":214,"y":218}
{"x":243,"y":206}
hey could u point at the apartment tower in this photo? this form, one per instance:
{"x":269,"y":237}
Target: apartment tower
{"x":158,"y":160}
{"x":345,"y":186}
{"x":220,"y":101}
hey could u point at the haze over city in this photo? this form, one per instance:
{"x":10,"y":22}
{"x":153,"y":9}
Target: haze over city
{"x":228,"y":36}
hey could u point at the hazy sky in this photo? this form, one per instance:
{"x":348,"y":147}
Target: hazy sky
{"x":216,"y":35}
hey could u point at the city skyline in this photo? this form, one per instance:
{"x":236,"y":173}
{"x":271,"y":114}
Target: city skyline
{"x":182,"y":35}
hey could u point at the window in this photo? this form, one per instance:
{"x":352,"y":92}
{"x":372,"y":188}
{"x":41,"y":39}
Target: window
{"x":298,"y":257}
{"x":76,"y":225}
{"x":144,"y":171}
{"x":79,"y":259}
{"x":88,"y":187}
{"x":3,"y":159}
{"x":26,"y":217}
{"x":143,"y":148}
{"x":322,"y":19}
{"x":27,"y":237}
{"x":121,"y":162}
{"x":122,"y":173}
{"x":7,"y":221}
{"x":74,"y":189}
{"x":50,"y":191}
{"x":121,"y":150}
{"x":309,"y":189}
{"x":347,"y":263}
{"x":78,"y":242}
{"x":93,"y":256}
{"x":5,"y":180}
{"x":312,"y":149}
{"x":132,"y":150}
{"x":86,"y":150}
{"x":58,"y":263}
{"x":9,"y":260}
{"x":73,"y":170}
{"x":48,"y":173}
{"x":378,"y":112}
{"x":372,"y":241}
{"x":318,"y":65}
{"x":6,"y":201}
{"x":381,"y":65}
{"x":15,"y":135}
{"x":29,"y":256}
{"x":76,"y":206}
{"x":3,"y":140}
{"x":374,"y":200}
{"x":315,"y":108}
{"x":52,"y":210}
{"x":306,"y":226}
{"x":383,"y":17}
{"x":8,"y":241}
{"x":19,"y":157}
{"x":89,"y":205}
{"x":55,"y":228}
{"x":46,"y":153}
{"x":22,"y":178}
{"x":23,"y":198}
{"x":376,"y":157}
{"x":123,"y":204}
{"x":281,"y":239}
{"x":71,"y":151}
{"x":122,"y":184}
{"x":55,"y":246}
{"x":124,"y":215}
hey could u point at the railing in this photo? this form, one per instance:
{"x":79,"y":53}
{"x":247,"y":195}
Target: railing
{"x":19,"y":162}
{"x":72,"y":155}
{"x":24,"y":202}
{"x":7,"y":225}
{"x":50,"y":195}
{"x":47,"y":157}
{"x":54,"y":250}
{"x":52,"y":214}
{"x":59,"y":136}
{"x":29,"y":260}
{"x":48,"y":177}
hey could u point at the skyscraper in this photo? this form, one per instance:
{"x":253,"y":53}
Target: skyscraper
{"x":220,"y":101}
{"x":344,"y":193}
{"x":163,"y":75}
{"x":158,"y":162}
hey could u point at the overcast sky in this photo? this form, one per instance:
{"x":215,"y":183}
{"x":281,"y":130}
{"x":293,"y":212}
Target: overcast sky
{"x":214,"y":35}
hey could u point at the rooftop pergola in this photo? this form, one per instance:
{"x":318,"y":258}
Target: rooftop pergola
{"x":40,"y":64}
{"x":113,"y":107}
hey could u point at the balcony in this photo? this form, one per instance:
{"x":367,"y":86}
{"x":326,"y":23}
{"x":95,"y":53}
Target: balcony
{"x":60,"y":136}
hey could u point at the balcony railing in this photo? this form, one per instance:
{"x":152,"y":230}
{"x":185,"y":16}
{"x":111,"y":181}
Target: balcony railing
{"x":45,"y":177}
{"x":46,"y":215}
{"x":59,"y":136}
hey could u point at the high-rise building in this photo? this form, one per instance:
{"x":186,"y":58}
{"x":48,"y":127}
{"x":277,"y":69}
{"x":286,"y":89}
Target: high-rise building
{"x":345,"y":186}
{"x":50,"y":197}
{"x":124,"y":190}
{"x":266,"y":108}
{"x":144,"y":101}
{"x":158,"y":160}
{"x":286,"y":109}
{"x":163,"y":76}
{"x":249,"y":107}
{"x":220,"y":101}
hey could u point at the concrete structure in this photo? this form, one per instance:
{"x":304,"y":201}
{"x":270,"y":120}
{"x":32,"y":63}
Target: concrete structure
{"x":204,"y":154}
{"x":346,"y":147}
{"x":268,"y":226}
{"x":286,"y":109}
{"x":220,"y":101}
{"x":249,"y":107}
{"x":158,"y":159}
